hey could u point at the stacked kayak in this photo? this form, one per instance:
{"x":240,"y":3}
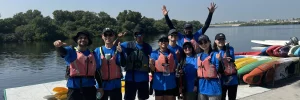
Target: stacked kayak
{"x":257,"y":70}
{"x":275,"y":51}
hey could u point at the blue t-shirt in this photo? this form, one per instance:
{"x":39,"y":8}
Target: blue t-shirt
{"x":211,"y":87}
{"x":190,"y":72}
{"x":232,"y":79}
{"x":297,"y":52}
{"x":161,"y":82}
{"x":112,"y":84}
{"x":75,"y":82}
{"x":139,"y":76}
{"x":175,"y":48}
{"x":181,"y":37}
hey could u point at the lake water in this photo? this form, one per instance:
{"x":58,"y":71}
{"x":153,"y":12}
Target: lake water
{"x":33,"y":63}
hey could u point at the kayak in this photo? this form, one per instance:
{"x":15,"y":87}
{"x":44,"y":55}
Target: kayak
{"x":271,"y":42}
{"x":255,"y":77}
{"x":248,"y":68}
{"x":248,"y":53}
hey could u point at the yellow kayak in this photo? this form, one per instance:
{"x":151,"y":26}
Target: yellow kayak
{"x":244,"y":62}
{"x":241,"y":59}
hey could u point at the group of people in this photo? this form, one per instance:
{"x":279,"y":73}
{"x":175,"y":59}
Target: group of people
{"x":185,"y":65}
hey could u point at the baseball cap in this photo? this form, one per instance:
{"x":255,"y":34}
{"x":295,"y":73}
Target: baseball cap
{"x":219,"y":36}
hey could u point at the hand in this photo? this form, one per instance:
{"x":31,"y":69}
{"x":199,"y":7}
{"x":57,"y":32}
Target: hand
{"x":101,"y":91}
{"x":58,"y":43}
{"x":212,"y":7}
{"x":228,"y":58}
{"x":120,"y":35}
{"x":218,"y":56}
{"x":151,"y":63}
{"x":119,"y":48}
{"x":164,"y":10}
{"x":195,"y":89}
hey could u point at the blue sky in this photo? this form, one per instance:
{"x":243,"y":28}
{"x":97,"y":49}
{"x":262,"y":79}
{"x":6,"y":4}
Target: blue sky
{"x":179,"y":9}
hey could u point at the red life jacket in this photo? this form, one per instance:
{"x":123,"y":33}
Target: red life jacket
{"x":276,"y":51}
{"x":195,"y":44}
{"x":165,"y":61}
{"x":83,"y":65}
{"x":109,"y":68}
{"x":205,"y":68}
{"x":229,"y":66}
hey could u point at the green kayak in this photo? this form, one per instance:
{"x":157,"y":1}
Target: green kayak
{"x":248,"y":68}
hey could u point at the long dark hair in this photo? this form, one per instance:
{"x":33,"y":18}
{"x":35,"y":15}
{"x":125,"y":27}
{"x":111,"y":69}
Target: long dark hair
{"x":190,"y":45}
{"x":215,"y":47}
{"x":205,"y":38}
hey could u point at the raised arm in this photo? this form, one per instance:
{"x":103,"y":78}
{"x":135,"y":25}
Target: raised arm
{"x":59,"y":48}
{"x":211,"y":10}
{"x":168,"y":21}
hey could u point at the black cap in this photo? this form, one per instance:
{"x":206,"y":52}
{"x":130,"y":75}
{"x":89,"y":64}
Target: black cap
{"x":163,"y":38}
{"x":172,"y":31}
{"x":203,"y":38}
{"x":188,"y":25}
{"x":75,"y":38}
{"x":108,"y":30}
{"x":188,"y":44}
{"x":219,"y":36}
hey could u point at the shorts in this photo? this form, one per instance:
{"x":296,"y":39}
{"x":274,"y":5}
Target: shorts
{"x":86,"y":93}
{"x":169,"y":92}
{"x":132,"y":87}
{"x":114,"y":94}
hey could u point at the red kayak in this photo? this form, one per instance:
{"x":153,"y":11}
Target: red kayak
{"x":271,"y":49}
{"x":276,"y":51}
{"x":255,"y":53}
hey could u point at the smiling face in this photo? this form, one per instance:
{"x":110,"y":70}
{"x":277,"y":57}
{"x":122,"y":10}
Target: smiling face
{"x":204,"y":44}
{"x":108,"y":37}
{"x":173,"y":37}
{"x":220,"y":42}
{"x":138,"y":37}
{"x":188,"y":31}
{"x":82,"y":40}
{"x":163,"y":43}
{"x":187,"y":49}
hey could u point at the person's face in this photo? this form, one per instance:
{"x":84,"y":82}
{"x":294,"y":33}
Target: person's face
{"x":204,"y":45}
{"x":138,"y":37}
{"x":220,"y":42}
{"x":163,"y":43}
{"x":82,"y":40}
{"x":188,"y":31}
{"x":108,"y":37}
{"x":173,"y":37}
{"x":187,"y":49}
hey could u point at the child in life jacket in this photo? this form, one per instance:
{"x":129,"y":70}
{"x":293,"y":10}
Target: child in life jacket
{"x":163,"y":63}
{"x":229,"y":75}
{"x":209,"y":84}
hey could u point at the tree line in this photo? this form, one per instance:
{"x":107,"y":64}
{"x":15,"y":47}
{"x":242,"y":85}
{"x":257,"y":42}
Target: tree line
{"x":33,"y":26}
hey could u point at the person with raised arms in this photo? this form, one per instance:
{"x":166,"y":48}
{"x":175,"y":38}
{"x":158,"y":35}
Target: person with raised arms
{"x":188,"y":35}
{"x":82,"y":70}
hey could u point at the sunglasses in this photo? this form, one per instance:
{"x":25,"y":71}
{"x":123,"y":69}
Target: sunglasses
{"x":173,"y":34}
{"x":138,"y":35}
{"x":221,"y":39}
{"x":108,"y":35}
{"x":204,"y":42}
{"x":164,"y":40}
{"x":185,"y":47}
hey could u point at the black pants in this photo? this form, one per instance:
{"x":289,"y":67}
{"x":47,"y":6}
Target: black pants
{"x":232,"y":90}
{"x":114,"y":94}
{"x":86,"y":93}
